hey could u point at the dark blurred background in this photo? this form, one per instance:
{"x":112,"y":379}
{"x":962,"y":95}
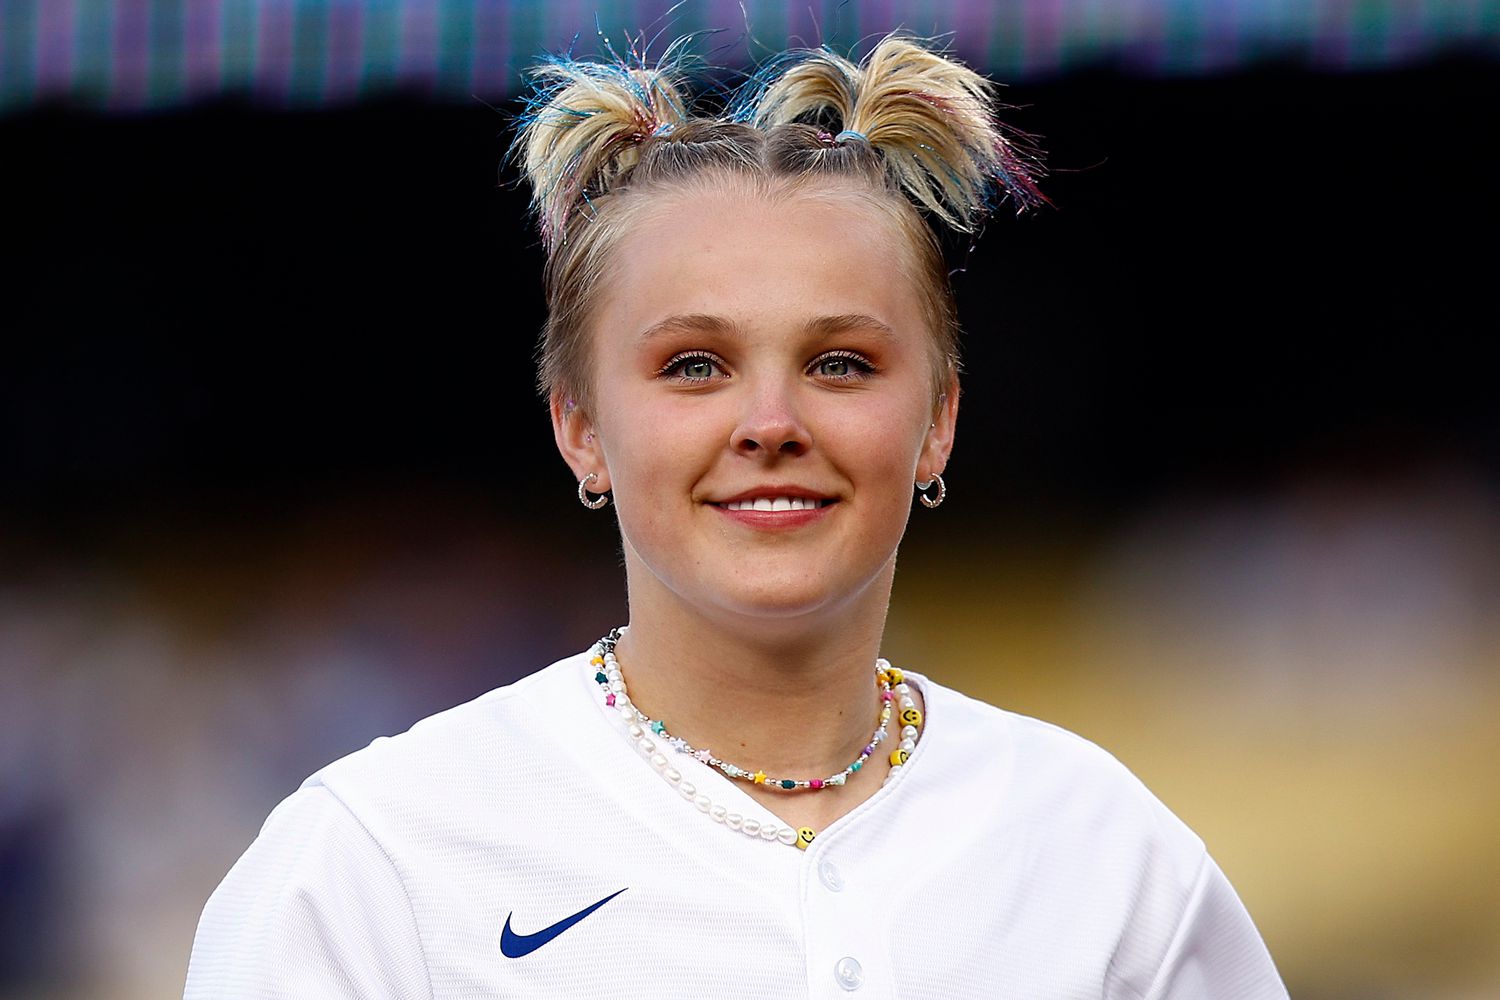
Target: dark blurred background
{"x":1226,"y":496}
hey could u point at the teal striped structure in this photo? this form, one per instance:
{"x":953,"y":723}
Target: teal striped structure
{"x":138,"y":55}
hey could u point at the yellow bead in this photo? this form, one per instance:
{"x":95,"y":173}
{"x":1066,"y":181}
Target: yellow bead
{"x":899,"y":757}
{"x":597,"y":661}
{"x":805,"y":836}
{"x":760,"y":777}
{"x":896,"y":675}
{"x":882,"y":678}
{"x":911,"y":717}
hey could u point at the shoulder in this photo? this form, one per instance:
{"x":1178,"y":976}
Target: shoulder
{"x":503,"y":719}
{"x":313,"y":900}
{"x":1040,"y":753}
{"x":970,"y":719}
{"x":374,"y":852}
{"x":456,"y":769}
{"x":1055,"y":787}
{"x":1096,"y":856}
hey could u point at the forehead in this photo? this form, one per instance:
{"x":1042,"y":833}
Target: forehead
{"x":759,"y":258}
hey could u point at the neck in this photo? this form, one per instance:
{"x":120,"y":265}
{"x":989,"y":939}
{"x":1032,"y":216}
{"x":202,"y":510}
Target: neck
{"x":795,"y":697}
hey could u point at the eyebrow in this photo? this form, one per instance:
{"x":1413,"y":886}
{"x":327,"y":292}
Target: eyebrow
{"x":821,"y":326}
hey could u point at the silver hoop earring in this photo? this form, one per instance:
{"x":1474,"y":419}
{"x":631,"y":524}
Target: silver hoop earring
{"x":942,"y":492}
{"x":583,"y":496}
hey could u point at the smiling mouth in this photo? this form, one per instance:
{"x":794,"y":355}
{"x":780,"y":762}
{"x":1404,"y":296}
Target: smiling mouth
{"x":776,"y":503}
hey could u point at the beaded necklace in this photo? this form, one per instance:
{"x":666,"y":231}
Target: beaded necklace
{"x":642,"y":728}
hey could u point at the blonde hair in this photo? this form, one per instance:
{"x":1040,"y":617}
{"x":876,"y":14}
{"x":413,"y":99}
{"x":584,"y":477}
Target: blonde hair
{"x":914,"y":127}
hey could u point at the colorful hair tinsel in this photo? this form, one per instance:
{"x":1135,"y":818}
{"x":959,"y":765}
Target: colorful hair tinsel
{"x":583,"y":123}
{"x":932,"y":116}
{"x":928,"y":118}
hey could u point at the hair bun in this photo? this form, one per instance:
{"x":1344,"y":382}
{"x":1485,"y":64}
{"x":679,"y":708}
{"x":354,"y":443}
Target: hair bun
{"x":584,"y":123}
{"x":931,"y":117}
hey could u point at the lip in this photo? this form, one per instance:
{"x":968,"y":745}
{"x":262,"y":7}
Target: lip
{"x":776,"y":520}
{"x":783,"y":490}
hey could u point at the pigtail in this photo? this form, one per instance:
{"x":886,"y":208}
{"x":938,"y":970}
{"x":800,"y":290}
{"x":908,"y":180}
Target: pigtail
{"x":930,"y":117}
{"x":584,"y":124}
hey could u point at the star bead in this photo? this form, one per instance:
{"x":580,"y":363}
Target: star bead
{"x":760,"y":777}
{"x":703,"y":755}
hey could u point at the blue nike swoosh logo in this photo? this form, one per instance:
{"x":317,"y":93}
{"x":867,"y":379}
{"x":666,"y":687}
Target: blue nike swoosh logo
{"x":513,"y":945}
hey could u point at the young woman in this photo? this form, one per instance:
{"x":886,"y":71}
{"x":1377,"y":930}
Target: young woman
{"x":749,"y":358}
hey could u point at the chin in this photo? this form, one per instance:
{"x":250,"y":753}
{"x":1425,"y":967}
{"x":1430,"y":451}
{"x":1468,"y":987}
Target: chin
{"x":791,"y":597}
{"x":776,"y":610}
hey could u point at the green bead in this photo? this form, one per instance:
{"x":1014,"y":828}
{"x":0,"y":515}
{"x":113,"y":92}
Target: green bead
{"x":788,"y":783}
{"x":856,"y":765}
{"x":601,"y":678}
{"x":659,"y":726}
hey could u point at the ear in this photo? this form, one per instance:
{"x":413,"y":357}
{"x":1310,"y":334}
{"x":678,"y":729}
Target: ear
{"x":578,"y":442}
{"x":938,"y":444}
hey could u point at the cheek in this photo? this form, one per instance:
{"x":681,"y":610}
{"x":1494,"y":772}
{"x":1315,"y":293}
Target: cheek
{"x":885,"y":437}
{"x":656,"y":461}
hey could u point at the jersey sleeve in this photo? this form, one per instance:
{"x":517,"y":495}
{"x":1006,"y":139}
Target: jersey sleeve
{"x":1216,"y":950}
{"x":314,"y":908}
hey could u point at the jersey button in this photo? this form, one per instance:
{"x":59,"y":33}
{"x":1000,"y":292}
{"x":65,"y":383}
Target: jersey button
{"x":849,"y":974}
{"x":830,"y":876}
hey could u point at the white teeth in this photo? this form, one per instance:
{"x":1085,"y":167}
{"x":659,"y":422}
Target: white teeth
{"x":774,"y":503}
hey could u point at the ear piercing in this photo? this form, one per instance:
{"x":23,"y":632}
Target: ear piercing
{"x":596,"y":502}
{"x":929,"y":501}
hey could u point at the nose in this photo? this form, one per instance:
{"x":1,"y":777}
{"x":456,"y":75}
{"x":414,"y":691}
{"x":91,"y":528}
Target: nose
{"x":771,"y":424}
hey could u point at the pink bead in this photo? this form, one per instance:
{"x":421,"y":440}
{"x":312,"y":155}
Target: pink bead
{"x":815,"y":783}
{"x":887,"y":696}
{"x":609,"y":700}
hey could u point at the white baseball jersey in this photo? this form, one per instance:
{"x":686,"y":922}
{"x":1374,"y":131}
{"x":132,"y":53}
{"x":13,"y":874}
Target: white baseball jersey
{"x":518,"y":846}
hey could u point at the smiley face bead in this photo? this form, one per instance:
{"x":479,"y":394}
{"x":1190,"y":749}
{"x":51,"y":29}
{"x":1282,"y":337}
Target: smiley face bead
{"x":642,"y":729}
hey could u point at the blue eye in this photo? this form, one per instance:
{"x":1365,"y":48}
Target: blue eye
{"x":693,"y":367}
{"x":842,"y":366}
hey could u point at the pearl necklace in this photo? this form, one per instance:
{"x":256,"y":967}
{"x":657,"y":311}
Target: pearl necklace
{"x":642,"y":728}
